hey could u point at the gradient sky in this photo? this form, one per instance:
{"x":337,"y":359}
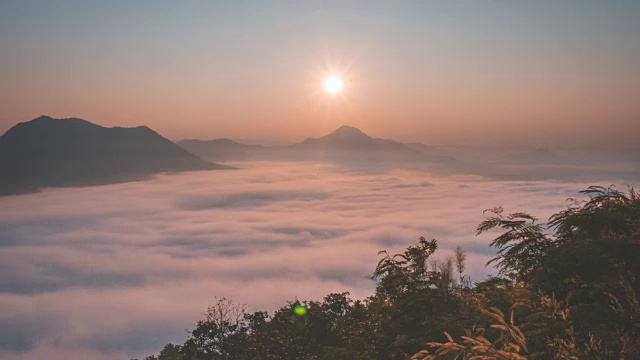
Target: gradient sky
{"x":474,"y":72}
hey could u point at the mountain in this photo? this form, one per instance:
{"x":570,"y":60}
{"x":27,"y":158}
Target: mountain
{"x":220,"y":149}
{"x":352,"y":139}
{"x":421,"y":147}
{"x":343,"y":144}
{"x":537,"y":156}
{"x":48,"y":152}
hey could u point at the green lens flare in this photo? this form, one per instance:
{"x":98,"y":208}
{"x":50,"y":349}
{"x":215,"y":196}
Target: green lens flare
{"x":300,"y":310}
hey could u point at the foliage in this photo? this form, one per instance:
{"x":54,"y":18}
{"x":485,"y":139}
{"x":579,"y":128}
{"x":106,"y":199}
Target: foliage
{"x":476,"y":346}
{"x":570,"y":286}
{"x":589,"y":258}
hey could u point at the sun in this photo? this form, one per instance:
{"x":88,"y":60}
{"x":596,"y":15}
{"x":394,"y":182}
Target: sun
{"x":332,"y":84}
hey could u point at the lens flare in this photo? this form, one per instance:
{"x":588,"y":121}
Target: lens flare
{"x":300,"y":310}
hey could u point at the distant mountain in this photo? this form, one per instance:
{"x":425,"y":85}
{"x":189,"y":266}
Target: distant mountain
{"x":220,"y":149}
{"x":537,"y":156}
{"x":343,"y":144}
{"x":352,"y":139}
{"x":430,"y":151}
{"x":420,"y":147}
{"x":48,"y":152}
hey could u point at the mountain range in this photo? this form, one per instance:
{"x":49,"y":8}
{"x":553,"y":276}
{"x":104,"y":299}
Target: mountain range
{"x":46,"y":152}
{"x":537,"y":156}
{"x":343,"y":144}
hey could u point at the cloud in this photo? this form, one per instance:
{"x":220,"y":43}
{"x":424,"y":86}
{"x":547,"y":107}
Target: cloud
{"x":247,"y":199}
{"x":116,"y":271}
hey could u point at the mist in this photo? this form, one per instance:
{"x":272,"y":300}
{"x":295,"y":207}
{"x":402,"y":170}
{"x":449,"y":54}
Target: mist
{"x":116,"y":271}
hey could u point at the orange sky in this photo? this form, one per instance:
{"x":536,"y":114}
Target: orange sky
{"x":437,"y":73}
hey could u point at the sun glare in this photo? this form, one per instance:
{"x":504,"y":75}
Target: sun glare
{"x":332,"y":84}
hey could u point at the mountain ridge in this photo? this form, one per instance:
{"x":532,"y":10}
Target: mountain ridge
{"x":345,"y":141}
{"x":49,"y":152}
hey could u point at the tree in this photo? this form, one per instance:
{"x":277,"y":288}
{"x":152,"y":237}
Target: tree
{"x":588,"y":257}
{"x":218,"y":336}
{"x":414,"y":301}
{"x":169,"y":352}
{"x":460,"y":257}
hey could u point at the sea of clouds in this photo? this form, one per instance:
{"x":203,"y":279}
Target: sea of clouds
{"x":117,"y":271}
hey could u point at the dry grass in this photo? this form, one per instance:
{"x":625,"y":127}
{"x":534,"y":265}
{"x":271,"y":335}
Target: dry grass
{"x":475,"y":346}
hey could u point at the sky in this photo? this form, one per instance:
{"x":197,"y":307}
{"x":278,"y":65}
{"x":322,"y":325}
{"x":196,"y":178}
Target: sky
{"x":539,"y":73}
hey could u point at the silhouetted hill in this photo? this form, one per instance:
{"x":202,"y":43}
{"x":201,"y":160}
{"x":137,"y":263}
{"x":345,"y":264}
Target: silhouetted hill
{"x":47,"y":152}
{"x":352,"y":139}
{"x":343,"y":144}
{"x":537,"y":156}
{"x":220,"y":149}
{"x":420,"y":147}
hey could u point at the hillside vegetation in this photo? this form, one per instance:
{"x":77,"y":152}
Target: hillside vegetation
{"x":566,"y":289}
